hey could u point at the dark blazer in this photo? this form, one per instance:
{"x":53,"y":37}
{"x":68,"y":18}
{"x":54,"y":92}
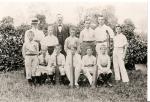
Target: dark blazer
{"x":64,"y":31}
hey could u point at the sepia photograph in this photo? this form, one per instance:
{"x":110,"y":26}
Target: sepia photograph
{"x":73,"y":51}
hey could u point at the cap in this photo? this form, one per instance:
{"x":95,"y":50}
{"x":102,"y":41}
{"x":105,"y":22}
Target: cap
{"x":34,"y":21}
{"x":89,"y":47}
{"x":118,"y":25}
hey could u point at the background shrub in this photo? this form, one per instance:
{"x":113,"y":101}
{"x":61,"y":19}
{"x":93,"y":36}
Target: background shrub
{"x":13,"y":38}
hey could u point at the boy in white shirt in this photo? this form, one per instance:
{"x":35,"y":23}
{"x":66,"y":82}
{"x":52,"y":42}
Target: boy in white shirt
{"x":48,"y":43}
{"x":120,"y":47}
{"x":30,"y":52}
{"x":89,"y":64}
{"x":52,"y":64}
{"x":101,"y":33}
{"x":87,"y":38}
{"x":103,"y":63}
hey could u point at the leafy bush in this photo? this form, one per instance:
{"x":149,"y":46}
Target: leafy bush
{"x":11,"y":46}
{"x":137,"y":48}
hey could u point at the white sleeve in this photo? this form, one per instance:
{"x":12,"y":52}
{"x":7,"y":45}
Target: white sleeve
{"x":111,"y":33}
{"x":25,"y":36}
{"x":109,"y":62}
{"x":57,"y":42}
{"x":81,"y":37}
{"x":41,"y":35}
{"x":63,"y":60}
{"x":125,"y":40}
{"x":83,"y":61}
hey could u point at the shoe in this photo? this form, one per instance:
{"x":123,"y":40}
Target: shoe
{"x":109,"y":84}
{"x":117,"y":81}
{"x":126,"y":83}
{"x":77,"y":86}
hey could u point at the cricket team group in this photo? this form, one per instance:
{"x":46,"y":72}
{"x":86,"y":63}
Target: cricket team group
{"x":59,"y":53}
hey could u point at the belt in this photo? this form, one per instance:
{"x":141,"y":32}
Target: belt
{"x":118,"y":47}
{"x":31,"y":54}
{"x":90,"y":65}
{"x":88,"y":41}
{"x":101,"y":41}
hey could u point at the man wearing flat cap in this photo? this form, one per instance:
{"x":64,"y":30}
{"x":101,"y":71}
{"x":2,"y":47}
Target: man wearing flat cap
{"x":39,"y":35}
{"x":61,"y":31}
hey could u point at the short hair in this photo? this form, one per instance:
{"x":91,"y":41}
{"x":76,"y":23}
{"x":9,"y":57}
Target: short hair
{"x":89,"y":47}
{"x":103,"y":46}
{"x":100,"y":15}
{"x":87,"y":20}
{"x":118,"y":25}
{"x":74,"y":47}
{"x":59,"y":15}
{"x":31,"y":32}
{"x":50,"y":26}
{"x":58,"y":45}
{"x":72,"y":28}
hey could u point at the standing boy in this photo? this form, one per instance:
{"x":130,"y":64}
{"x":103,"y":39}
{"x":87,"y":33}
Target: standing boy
{"x":87,"y":37}
{"x":30,"y":52}
{"x":102,"y":33}
{"x":48,"y":43}
{"x":103,"y":63}
{"x":120,"y":47}
{"x":38,"y":34}
{"x":72,"y":48}
{"x":75,"y":62}
{"x":89,"y":64}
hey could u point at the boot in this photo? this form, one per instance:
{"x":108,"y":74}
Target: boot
{"x":38,"y":80}
{"x":34,"y":80}
{"x":30,"y":82}
{"x":62,"y":80}
{"x":51,"y":78}
{"x":108,"y":76}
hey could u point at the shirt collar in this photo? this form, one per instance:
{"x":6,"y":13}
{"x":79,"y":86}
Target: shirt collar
{"x":60,"y":25}
{"x":102,"y":26}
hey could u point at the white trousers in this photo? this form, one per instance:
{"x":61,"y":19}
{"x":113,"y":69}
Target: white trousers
{"x":88,"y":72}
{"x":119,"y":67}
{"x":49,"y":70}
{"x":31,"y":64}
{"x":68,"y":68}
{"x":98,"y":46}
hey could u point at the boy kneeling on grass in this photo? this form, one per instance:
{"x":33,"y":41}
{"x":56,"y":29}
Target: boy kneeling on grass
{"x":103,"y":63}
{"x":30,"y":53}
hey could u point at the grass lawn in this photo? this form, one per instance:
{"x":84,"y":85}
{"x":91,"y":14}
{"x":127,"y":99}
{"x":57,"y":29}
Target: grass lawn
{"x":14,"y":88}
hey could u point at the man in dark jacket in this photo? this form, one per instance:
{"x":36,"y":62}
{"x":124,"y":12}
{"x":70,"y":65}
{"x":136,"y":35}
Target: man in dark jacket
{"x":61,"y":31}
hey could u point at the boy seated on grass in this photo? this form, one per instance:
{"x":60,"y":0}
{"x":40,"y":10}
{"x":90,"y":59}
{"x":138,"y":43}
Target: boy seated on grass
{"x":44,"y":72}
{"x":88,"y":64}
{"x":103,"y":63}
{"x":48,"y":43}
{"x":57,"y":59}
{"x":30,"y":53}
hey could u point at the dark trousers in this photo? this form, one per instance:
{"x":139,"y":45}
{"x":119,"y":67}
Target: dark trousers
{"x":106,"y":77}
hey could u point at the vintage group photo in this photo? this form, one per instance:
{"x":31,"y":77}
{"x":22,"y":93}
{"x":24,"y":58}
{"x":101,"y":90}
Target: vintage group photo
{"x":73,"y":51}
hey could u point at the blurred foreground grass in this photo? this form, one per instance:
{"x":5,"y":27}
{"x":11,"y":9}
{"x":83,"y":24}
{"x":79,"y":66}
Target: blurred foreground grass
{"x":14,"y":88}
